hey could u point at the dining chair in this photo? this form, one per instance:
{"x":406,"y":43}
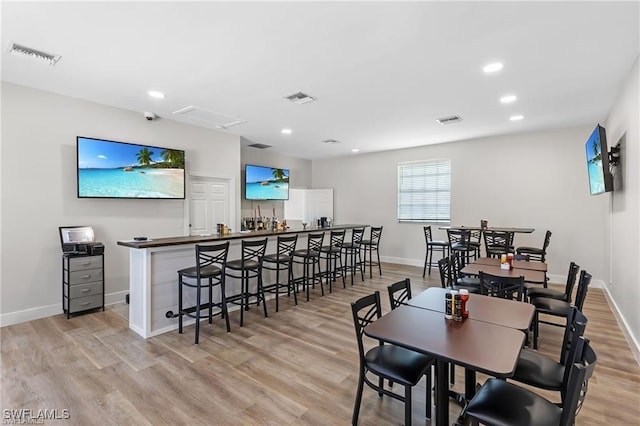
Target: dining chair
{"x":504,"y":287}
{"x":542,"y":371}
{"x":537,"y":253}
{"x":282,"y":260}
{"x":385,"y":361}
{"x":499,"y":403}
{"x":558,"y":308}
{"x":210,"y":267}
{"x":449,"y":277}
{"x":497,"y":243}
{"x":460,"y":242}
{"x":399,"y":293}
{"x":533,"y":292}
{"x":432,"y":245}
{"x":462,"y":280}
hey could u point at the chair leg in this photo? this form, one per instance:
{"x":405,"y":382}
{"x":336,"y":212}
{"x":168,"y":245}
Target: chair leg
{"x":407,"y":405}
{"x":428,"y":392}
{"x":356,"y":406}
{"x":223,"y":301}
{"x":380,"y":386}
{"x":261,"y":294}
{"x":379,"y":265}
{"x":430,"y":259}
{"x":198,"y":296}
{"x":210,"y":300}
{"x":179,"y":305}
{"x":535,"y":330}
{"x":426,"y":260}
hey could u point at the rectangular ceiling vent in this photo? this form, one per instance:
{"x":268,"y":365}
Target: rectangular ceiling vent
{"x":221,"y":121}
{"x":37,"y":55}
{"x":300,"y":98}
{"x":259,"y":146}
{"x":449,"y":120}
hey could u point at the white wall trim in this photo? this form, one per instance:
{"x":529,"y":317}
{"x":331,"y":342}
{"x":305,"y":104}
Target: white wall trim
{"x":16,"y":317}
{"x":634,"y":345}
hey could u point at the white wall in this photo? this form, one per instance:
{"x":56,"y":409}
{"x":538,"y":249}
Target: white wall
{"x":624,"y":288}
{"x":39,"y":132}
{"x":299,"y":177}
{"x":534,"y":180}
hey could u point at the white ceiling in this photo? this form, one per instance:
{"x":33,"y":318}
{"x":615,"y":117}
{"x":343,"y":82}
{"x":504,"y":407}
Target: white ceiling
{"x":382,"y":72}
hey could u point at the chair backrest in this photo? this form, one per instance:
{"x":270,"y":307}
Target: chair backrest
{"x":286,"y":245}
{"x":444,"y":266}
{"x":456,"y":262}
{"x":547,"y":240}
{"x":497,"y":241}
{"x":356,"y":236}
{"x":583,"y":286}
{"x":576,"y":325}
{"x":574,"y":389}
{"x":571,"y":281}
{"x":253,"y":250}
{"x":460,"y":237}
{"x":376,"y":233}
{"x":503,"y":287}
{"x":475,"y":236}
{"x":365,"y":311}
{"x":399,"y":293}
{"x":314,"y":241}
{"x":428,"y":236}
{"x":336,"y":237}
{"x":211,"y":255}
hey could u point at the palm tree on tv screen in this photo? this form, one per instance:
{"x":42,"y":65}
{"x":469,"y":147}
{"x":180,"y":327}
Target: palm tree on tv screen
{"x":173,"y":157}
{"x":144,"y":156}
{"x":278,"y":174}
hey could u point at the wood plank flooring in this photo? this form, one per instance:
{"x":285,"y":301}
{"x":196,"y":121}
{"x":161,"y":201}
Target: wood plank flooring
{"x":297,"y":367}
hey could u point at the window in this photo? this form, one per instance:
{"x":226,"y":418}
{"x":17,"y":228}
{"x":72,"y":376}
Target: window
{"x":424,"y":191}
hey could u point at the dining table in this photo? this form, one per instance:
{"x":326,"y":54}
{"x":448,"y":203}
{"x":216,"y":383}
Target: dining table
{"x":480,"y":343}
{"x":530,"y":275}
{"x":517,"y":264}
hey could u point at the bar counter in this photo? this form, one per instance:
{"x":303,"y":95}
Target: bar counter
{"x":154,"y":265}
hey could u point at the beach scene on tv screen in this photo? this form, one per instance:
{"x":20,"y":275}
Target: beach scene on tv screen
{"x":266,"y":183}
{"x":120,"y":170}
{"x":594,"y":164}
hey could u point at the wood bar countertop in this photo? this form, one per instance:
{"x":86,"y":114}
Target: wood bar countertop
{"x":195,"y":239}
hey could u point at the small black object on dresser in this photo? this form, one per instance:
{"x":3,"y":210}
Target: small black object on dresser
{"x":82,"y":270}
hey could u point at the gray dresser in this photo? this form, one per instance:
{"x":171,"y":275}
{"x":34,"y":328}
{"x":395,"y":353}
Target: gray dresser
{"x":82,"y":283}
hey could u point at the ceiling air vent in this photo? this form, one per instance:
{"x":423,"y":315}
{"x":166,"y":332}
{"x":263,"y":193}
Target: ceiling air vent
{"x":300,"y":98}
{"x":221,"y":121}
{"x":449,"y":120}
{"x":38,"y":55}
{"x":330,"y":141}
{"x":259,"y":146}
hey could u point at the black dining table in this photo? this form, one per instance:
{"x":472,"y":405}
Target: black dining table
{"x":475,"y":344}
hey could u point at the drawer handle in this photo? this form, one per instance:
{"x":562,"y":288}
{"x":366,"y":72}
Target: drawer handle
{"x":86,"y":290}
{"x":84,"y":277}
{"x":85,"y":303}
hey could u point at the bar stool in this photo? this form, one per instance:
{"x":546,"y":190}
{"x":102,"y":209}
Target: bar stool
{"x":331,"y":253}
{"x":433,"y":245}
{"x":210,"y":265}
{"x":310,"y":258}
{"x":282,"y":260}
{"x":351,"y":251}
{"x":247,"y":267}
{"x":370,"y":246}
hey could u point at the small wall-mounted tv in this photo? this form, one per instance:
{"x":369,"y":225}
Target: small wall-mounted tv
{"x":600,"y":177}
{"x":266,"y":183}
{"x":110,"y":169}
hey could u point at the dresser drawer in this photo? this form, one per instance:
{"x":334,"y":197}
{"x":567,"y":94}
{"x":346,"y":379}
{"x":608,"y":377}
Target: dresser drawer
{"x":81,"y":290}
{"x":84,"y":263}
{"x":84,"y":303}
{"x":84,"y":277}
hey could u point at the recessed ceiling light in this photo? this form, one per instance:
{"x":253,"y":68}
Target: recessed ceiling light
{"x":156,"y":94}
{"x":508,"y":99}
{"x":355,"y":150}
{"x":286,"y":131}
{"x":496,"y":66}
{"x":516,"y":117}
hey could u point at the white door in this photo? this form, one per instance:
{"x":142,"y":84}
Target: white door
{"x":209,"y":204}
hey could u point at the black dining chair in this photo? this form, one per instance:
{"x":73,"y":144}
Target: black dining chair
{"x":504,"y":287}
{"x":558,"y":308}
{"x":501,"y":403}
{"x":449,"y":276}
{"x":572,"y":275}
{"x":208,"y":273}
{"x":385,"y":361}
{"x":537,"y":253}
{"x":497,"y":243}
{"x":399,"y":293}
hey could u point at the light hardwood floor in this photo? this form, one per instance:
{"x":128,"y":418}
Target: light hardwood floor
{"x":299,"y":366}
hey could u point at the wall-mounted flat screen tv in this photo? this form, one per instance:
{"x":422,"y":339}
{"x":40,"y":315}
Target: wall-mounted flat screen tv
{"x":110,"y":169}
{"x":266,"y":183}
{"x":600,"y":178}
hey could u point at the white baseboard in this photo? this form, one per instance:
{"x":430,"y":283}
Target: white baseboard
{"x":16,"y":317}
{"x":633,"y":343}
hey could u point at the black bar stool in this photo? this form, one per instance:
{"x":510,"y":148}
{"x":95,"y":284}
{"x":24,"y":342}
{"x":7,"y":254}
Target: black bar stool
{"x":310,"y":258}
{"x":245,"y":268}
{"x":351,"y":251}
{"x":331,"y":253}
{"x":370,"y":246}
{"x":433,"y":245}
{"x":210,"y":265}
{"x":282,"y":260}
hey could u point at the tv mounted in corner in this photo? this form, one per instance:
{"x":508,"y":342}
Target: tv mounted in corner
{"x":110,"y":169}
{"x":266,"y":183}
{"x":600,"y":177}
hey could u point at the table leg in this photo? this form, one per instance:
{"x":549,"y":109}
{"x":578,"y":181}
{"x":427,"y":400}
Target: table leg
{"x":442,"y":393}
{"x":469,"y":384}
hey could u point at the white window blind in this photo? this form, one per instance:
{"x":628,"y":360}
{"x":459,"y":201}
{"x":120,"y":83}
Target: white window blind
{"x":424,"y":191}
